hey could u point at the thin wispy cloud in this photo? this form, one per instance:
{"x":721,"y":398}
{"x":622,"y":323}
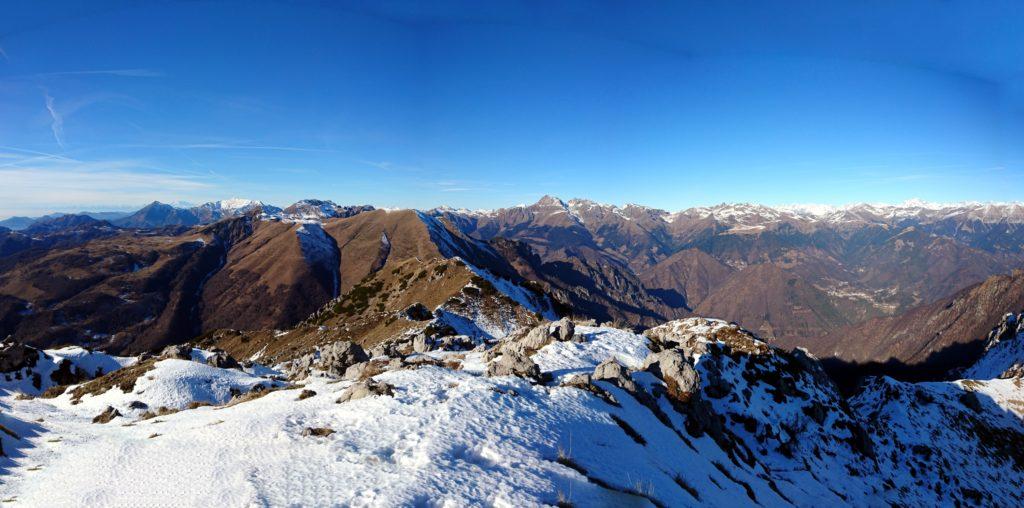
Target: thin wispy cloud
{"x":389,"y":166}
{"x":124,"y":73}
{"x":57,"y":123}
{"x":4,"y":54}
{"x":21,"y":153}
{"x":228,"y":146}
{"x":232,"y":146}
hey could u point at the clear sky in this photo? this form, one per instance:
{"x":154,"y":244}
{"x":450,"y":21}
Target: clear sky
{"x":107,"y":105}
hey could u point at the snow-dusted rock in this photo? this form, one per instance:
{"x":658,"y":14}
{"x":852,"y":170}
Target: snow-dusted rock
{"x":1004,"y":351}
{"x":607,"y":431}
{"x":680,"y":377}
{"x":562,"y":330}
{"x":513,"y":363}
{"x":333,"y":360}
{"x":365,"y":389}
{"x":613,"y":372}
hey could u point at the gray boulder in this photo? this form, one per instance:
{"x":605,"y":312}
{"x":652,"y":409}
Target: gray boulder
{"x":336,"y":358}
{"x":365,"y":389}
{"x":562,"y":330}
{"x":679,"y":376}
{"x":514,"y":363}
{"x":535,"y":339}
{"x":613,"y":372}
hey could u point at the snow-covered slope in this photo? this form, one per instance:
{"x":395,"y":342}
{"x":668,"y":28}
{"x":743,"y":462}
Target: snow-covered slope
{"x":1004,"y":351}
{"x":695,"y":412}
{"x":39,"y":370}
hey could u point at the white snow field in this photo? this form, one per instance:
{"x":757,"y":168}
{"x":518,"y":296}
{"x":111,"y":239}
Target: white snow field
{"x":764,"y":428}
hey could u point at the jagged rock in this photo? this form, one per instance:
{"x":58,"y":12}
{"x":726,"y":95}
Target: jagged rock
{"x":535,"y":339}
{"x":577,"y":380}
{"x":177,"y":352}
{"x":394,"y":348}
{"x":108,"y":414}
{"x":15,"y":356}
{"x":514,"y":363}
{"x":538,"y":337}
{"x":364,"y":389}
{"x":562,"y":330}
{"x":342,"y":354}
{"x":420,"y":343}
{"x":679,"y":376}
{"x":333,"y":360}
{"x":613,"y":372}
{"x":222,"y":360}
{"x":417,"y":312}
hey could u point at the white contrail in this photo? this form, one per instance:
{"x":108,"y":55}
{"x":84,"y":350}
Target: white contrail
{"x":57,"y":126}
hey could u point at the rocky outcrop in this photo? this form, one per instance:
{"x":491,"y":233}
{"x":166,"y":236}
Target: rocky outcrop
{"x":222,"y":360}
{"x":15,"y":356}
{"x":1003,"y":356}
{"x":333,"y":360}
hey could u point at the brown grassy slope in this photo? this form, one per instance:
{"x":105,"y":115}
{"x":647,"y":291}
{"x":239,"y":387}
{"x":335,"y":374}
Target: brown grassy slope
{"x":368,"y":314}
{"x":775,"y":304}
{"x":359,"y":240}
{"x":266,"y":282}
{"x":119,"y":284}
{"x":689,"y":274}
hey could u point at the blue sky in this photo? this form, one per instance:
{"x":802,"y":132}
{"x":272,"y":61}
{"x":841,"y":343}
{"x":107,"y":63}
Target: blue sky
{"x":107,"y":105}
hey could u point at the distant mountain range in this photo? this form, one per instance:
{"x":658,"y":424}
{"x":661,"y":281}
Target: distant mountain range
{"x":836,"y":280}
{"x":18,"y":223}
